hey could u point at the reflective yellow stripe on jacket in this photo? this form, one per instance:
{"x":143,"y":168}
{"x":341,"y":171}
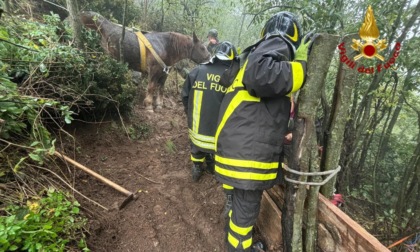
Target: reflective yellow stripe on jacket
{"x":269,"y":168}
{"x":298,"y":77}
{"x":198,"y":98}
{"x":202,"y":141}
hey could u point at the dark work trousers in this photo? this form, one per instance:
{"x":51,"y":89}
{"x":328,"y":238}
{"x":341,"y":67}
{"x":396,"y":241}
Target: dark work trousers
{"x":199,"y":157}
{"x":245,"y":210}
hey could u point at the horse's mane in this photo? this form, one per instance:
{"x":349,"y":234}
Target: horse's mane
{"x":181,"y":43}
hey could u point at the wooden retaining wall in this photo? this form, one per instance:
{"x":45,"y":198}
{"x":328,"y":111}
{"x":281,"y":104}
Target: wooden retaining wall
{"x":337,"y":232}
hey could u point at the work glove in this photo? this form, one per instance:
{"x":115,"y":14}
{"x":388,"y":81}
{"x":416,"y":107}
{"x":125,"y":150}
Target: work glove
{"x":305,"y":47}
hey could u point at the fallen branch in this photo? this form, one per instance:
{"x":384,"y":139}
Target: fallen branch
{"x":400,"y":241}
{"x":59,"y":6}
{"x":148,"y":179}
{"x":21,"y":46}
{"x":72,"y":188}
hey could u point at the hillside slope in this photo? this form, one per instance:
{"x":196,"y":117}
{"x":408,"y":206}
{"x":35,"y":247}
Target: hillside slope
{"x":171,"y":213}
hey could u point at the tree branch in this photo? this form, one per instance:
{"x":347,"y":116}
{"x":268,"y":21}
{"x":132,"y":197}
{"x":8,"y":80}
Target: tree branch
{"x":21,"y":46}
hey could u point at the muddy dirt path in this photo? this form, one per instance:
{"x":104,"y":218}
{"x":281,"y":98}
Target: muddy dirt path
{"x":171,"y":213}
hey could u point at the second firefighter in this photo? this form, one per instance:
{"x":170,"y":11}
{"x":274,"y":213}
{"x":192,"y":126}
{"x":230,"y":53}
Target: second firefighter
{"x":201,"y":96}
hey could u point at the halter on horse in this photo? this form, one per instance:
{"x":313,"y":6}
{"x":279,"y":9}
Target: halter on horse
{"x":170,"y":46}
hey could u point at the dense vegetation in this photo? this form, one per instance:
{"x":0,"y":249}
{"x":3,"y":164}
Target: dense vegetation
{"x":47,"y":82}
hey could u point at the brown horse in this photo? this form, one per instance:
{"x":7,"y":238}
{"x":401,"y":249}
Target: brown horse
{"x":170,"y":46}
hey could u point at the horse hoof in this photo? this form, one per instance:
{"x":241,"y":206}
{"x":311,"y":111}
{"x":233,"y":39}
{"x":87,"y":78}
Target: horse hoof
{"x":149,"y":109}
{"x":158,"y":108}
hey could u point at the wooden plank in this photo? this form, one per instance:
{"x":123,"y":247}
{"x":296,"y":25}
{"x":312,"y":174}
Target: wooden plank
{"x":337,"y":232}
{"x":348,"y":234}
{"x":269,"y":222}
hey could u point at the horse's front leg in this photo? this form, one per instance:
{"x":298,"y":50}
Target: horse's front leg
{"x":159,"y":97}
{"x":151,"y":87}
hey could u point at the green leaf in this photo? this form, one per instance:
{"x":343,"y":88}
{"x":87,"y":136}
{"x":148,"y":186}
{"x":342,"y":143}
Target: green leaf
{"x":4,"y":34}
{"x":68,"y":119}
{"x":47,"y":226}
{"x":35,"y":157}
{"x":395,"y":229}
{"x":4,"y":241}
{"x":17,"y":166}
{"x":13,"y":248}
{"x":75,"y":210}
{"x":51,"y":151}
{"x":34,"y":143}
{"x":51,"y":190}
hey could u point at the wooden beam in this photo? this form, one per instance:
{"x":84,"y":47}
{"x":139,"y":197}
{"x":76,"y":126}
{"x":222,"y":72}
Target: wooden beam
{"x":349,"y":235}
{"x":337,"y":232}
{"x":269,"y":222}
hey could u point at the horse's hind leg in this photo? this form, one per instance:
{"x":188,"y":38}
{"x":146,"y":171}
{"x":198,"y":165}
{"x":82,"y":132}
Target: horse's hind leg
{"x":159,"y":97}
{"x":149,"y":96}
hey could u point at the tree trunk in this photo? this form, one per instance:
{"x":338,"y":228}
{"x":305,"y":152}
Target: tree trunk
{"x":162,"y":17}
{"x":411,"y":173}
{"x":240,"y":29}
{"x":333,"y":140}
{"x":121,"y":42}
{"x":6,"y":6}
{"x":304,"y":143}
{"x":383,"y":147}
{"x":73,"y":9}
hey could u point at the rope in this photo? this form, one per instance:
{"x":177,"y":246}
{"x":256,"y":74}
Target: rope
{"x":146,"y":42}
{"x":330,"y":173}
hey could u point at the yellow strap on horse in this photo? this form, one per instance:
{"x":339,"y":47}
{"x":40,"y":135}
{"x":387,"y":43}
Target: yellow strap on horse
{"x":144,"y":42}
{"x":143,"y":62}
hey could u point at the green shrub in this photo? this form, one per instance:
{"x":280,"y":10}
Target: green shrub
{"x":42,"y":225}
{"x":170,"y":147}
{"x":21,"y":119}
{"x":139,"y":131}
{"x":46,"y":65}
{"x":109,"y":83}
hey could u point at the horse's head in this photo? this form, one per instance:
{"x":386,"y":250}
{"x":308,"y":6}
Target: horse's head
{"x":91,"y":19}
{"x":199,"y":53}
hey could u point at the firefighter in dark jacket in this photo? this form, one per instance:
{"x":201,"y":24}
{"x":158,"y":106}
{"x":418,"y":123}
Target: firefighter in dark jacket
{"x":202,"y":96}
{"x":253,"y":120}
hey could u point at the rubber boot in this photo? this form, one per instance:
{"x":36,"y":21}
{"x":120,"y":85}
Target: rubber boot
{"x":257,"y":247}
{"x":210,"y":163}
{"x":228,"y":206}
{"x":210,"y":167}
{"x":197,"y":171}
